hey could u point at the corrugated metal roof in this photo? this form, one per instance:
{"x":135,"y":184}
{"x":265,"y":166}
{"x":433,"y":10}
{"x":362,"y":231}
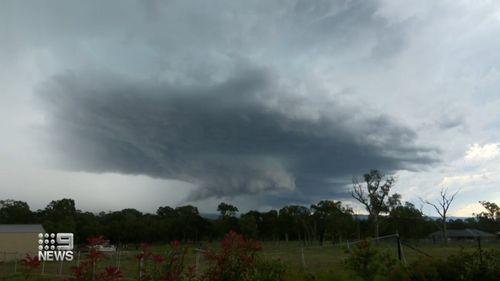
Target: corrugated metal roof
{"x":38,"y":228}
{"x":463,"y":233}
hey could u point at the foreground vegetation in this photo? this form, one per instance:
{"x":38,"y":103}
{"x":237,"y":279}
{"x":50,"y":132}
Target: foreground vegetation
{"x":237,"y":258}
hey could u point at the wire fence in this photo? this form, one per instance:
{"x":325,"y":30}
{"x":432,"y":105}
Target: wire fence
{"x":126,"y":261}
{"x":295,"y":255}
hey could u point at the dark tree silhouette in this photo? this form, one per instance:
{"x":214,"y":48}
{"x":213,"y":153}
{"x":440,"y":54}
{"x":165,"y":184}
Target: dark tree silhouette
{"x":374,"y":194}
{"x":227,"y":210}
{"x":493,"y":211}
{"x":12,"y":211}
{"x":441,"y":207}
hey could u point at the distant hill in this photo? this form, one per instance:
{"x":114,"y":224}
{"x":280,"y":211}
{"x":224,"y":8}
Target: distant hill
{"x":365,"y":217}
{"x":210,"y":216}
{"x":213,"y":216}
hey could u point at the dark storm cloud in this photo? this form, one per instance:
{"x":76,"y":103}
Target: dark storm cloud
{"x":245,"y":134}
{"x":450,"y":121}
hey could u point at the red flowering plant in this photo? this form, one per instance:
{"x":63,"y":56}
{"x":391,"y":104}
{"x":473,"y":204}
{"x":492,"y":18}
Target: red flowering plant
{"x":157,"y":261}
{"x":236,"y":261}
{"x":30,"y":263}
{"x":191,"y":273}
{"x":173,"y":269}
{"x":145,"y":252}
{"x":94,"y":254}
{"x":169,"y":267}
{"x":143,"y":272}
{"x":110,"y":273}
{"x":87,"y":269}
{"x":82,"y":272}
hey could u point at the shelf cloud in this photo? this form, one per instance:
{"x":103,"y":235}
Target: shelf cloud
{"x":243,"y":135}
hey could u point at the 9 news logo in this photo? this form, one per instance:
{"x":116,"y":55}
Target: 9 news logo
{"x":55,"y":246}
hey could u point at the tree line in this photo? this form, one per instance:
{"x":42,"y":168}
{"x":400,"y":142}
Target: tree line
{"x":325,"y":221}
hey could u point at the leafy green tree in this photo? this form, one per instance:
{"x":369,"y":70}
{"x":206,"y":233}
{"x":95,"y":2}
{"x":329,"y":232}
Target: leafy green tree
{"x":133,"y":225}
{"x":166,"y":212}
{"x":492,"y":211}
{"x":490,"y":219}
{"x":113,"y":226}
{"x":166,"y":220}
{"x":408,"y":221}
{"x":60,"y":216}
{"x":227,"y":210}
{"x":270,"y":225}
{"x":331,"y":218}
{"x":296,"y":219}
{"x":87,"y":225}
{"x":227,"y":220}
{"x":374,"y":194}
{"x":189,"y":223}
{"x":12,"y":212}
{"x":249,"y":224}
{"x":123,"y":226}
{"x":394,"y":201}
{"x":286,"y":222}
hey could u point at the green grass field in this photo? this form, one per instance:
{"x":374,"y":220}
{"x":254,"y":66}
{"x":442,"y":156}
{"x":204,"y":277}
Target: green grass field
{"x":299,"y":258}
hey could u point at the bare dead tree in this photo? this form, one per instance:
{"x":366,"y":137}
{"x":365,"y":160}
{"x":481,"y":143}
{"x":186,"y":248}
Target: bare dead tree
{"x":441,"y":206}
{"x":373,"y":194}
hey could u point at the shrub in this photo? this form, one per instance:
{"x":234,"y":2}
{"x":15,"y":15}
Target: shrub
{"x":174,"y":266}
{"x":473,"y":266}
{"x":269,"y":270}
{"x":370,"y":264}
{"x":463,"y":266}
{"x":87,"y":269}
{"x":426,"y":269}
{"x":361,"y":258}
{"x":236,"y":261}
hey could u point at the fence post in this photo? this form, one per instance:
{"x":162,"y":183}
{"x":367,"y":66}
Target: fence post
{"x":15,"y":262}
{"x":398,"y":241}
{"x":303,"y":258}
{"x":119,"y":257}
{"x":403,"y":254}
{"x":197,"y":261}
{"x":480,"y":249}
{"x":140,"y":269}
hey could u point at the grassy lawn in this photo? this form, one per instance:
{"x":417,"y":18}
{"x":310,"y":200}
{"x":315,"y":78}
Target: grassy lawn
{"x":318,"y":258}
{"x":311,"y":258}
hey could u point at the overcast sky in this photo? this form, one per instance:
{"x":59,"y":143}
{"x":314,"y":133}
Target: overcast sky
{"x":140,"y":104}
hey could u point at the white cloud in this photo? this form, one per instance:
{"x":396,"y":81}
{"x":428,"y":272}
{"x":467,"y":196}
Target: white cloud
{"x":462,"y":180}
{"x":480,"y":152}
{"x":468,"y":210}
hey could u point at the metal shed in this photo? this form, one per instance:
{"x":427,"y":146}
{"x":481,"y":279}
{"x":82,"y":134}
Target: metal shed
{"x":17,"y":240}
{"x":467,"y":233}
